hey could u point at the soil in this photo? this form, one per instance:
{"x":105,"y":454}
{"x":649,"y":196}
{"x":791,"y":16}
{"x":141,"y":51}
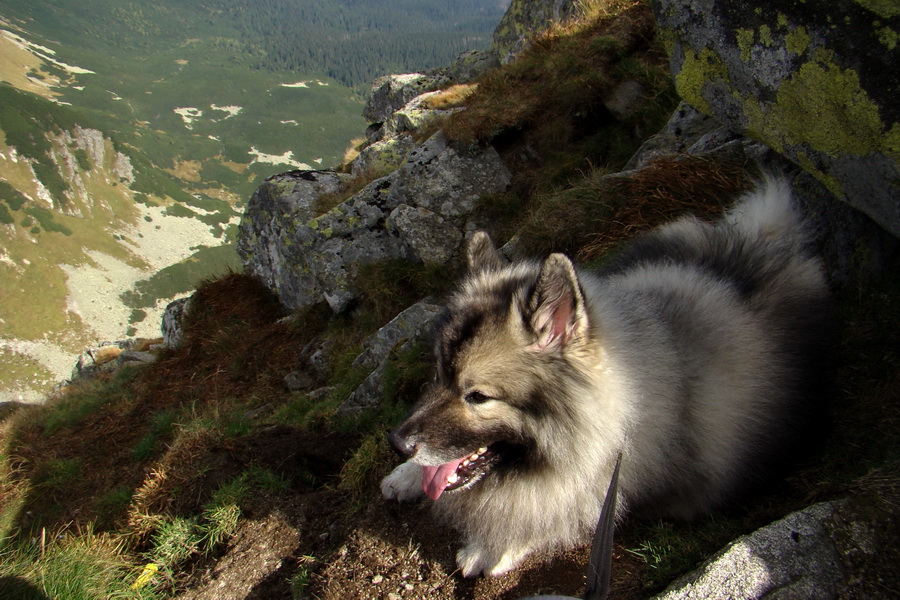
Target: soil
{"x":312,"y":542}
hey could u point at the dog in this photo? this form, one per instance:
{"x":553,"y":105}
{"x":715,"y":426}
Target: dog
{"x":696,"y":352}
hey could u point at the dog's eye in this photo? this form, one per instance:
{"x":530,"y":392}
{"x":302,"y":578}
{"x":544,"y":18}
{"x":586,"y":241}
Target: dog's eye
{"x":476,"y":397}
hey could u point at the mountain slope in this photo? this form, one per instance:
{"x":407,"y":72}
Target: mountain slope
{"x":131,"y":134}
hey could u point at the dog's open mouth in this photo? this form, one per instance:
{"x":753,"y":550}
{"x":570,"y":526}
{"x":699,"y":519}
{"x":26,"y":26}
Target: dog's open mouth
{"x":458,"y":474}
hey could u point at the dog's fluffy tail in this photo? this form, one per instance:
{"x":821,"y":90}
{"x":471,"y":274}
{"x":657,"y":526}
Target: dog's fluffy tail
{"x":768,"y":211}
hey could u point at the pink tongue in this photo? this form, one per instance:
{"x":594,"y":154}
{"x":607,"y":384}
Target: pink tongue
{"x":434,"y":479}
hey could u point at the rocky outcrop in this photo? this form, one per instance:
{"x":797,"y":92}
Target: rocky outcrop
{"x":109,"y":357}
{"x":420,"y":212}
{"x":526,"y":18}
{"x":827,"y":550}
{"x":408,"y":328}
{"x":817,"y":86}
{"x":172,"y":326}
{"x":790,"y":558}
{"x":392,"y":92}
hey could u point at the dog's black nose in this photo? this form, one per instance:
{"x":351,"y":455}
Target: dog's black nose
{"x":403,"y":445}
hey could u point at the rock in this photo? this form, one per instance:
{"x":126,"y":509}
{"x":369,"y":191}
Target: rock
{"x":321,"y":393}
{"x":810,"y":84}
{"x":172,"y":325}
{"x":276,"y":208}
{"x":109,"y":357}
{"x":392,"y":92}
{"x":132,"y":357}
{"x":382,"y":156}
{"x":430,"y":238}
{"x":448,"y":180}
{"x":623,"y":100}
{"x":684,"y":128}
{"x":307,"y":262}
{"x":791,"y":558}
{"x":296,"y":381}
{"x":409,"y":326}
{"x":523,"y":20}
{"x":470,"y":65}
{"x":406,"y":329}
{"x":838,"y":549}
{"x":414,"y":116}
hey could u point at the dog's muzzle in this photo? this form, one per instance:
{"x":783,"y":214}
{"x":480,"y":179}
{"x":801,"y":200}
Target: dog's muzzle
{"x":402,"y":444}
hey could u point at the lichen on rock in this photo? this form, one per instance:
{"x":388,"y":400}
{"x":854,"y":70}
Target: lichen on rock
{"x":813,"y":85}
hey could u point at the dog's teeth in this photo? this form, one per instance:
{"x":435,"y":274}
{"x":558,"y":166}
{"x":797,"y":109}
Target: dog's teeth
{"x":467,"y":462}
{"x":482,"y":450}
{"x":453,"y":478}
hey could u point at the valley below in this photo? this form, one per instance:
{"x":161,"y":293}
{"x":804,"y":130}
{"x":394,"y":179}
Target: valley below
{"x":131,"y":136}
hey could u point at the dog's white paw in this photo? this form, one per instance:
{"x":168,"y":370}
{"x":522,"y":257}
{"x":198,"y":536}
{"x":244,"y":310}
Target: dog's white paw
{"x":473,"y":560}
{"x":404,"y":483}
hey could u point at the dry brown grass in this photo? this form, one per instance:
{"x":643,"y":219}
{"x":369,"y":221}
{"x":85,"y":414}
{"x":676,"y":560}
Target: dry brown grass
{"x":601,"y":211}
{"x":565,"y":72}
{"x":452,"y":97}
{"x":351,"y":153}
{"x":666,"y":189}
{"x":181,"y":463}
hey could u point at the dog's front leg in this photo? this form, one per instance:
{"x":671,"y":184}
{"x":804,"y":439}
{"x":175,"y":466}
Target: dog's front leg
{"x":473,"y":560}
{"x":404,"y":483}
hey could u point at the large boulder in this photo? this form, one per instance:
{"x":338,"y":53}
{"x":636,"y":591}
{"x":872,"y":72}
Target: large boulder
{"x":277,"y":209}
{"x":305,"y":261}
{"x":820,"y":86}
{"x":447,"y":179}
{"x":391,"y":92}
{"x":526,"y":18}
{"x":791,"y":558}
{"x":420,"y":212}
{"x":172,"y":325}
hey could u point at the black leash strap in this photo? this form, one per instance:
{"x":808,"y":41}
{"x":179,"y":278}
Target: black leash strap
{"x":600,"y":565}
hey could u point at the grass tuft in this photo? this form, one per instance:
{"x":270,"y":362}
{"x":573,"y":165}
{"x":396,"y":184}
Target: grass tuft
{"x":75,"y":567}
{"x":454,"y":96}
{"x":175,"y":540}
{"x":599,"y":212}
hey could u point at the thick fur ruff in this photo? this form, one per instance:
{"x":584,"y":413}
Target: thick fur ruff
{"x":696,"y":352}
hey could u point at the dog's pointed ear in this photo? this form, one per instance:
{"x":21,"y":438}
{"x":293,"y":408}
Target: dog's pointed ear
{"x":556,"y":307}
{"x":481,"y":254}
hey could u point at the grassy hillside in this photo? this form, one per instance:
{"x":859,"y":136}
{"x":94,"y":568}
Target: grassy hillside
{"x":204,"y":100}
{"x":118,"y":160}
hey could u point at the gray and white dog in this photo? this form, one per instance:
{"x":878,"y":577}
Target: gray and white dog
{"x":695,"y":353}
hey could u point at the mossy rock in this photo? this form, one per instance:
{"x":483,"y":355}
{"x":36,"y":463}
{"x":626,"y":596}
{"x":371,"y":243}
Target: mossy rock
{"x":819,"y":87}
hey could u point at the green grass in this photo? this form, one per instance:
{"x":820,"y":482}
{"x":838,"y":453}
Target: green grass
{"x":114,"y":502}
{"x":71,"y":409}
{"x":56,"y":474}
{"x":301,"y":577}
{"x":81,"y":567}
{"x":175,"y":540}
{"x":161,"y":426}
{"x":268,"y":480}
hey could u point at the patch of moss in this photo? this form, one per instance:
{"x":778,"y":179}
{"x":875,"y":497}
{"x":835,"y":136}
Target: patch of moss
{"x":797,"y":40}
{"x":745,"y":43}
{"x":888,"y":37}
{"x":823,"y":106}
{"x":883,"y":8}
{"x":696,"y":71}
{"x":765,"y":35}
